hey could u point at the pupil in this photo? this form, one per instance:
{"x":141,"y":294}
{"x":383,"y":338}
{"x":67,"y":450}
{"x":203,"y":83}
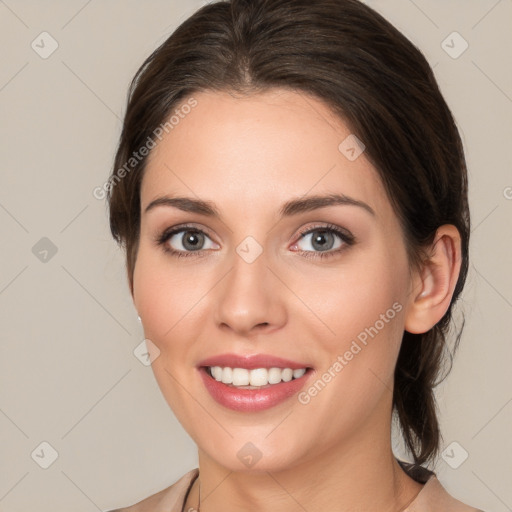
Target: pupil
{"x":320,"y":239}
{"x":192,"y":239}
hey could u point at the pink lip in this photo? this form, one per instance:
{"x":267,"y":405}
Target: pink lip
{"x":251,"y":362}
{"x":252,"y":400}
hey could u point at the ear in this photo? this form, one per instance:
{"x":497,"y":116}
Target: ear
{"x":433,"y":286}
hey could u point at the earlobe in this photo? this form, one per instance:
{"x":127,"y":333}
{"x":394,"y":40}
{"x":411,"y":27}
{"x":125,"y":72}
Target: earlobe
{"x":434,"y":286}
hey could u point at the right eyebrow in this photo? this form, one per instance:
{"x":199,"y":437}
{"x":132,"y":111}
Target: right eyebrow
{"x":186,"y":204}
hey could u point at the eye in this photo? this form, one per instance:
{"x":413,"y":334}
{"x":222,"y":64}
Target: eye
{"x":323,"y":241}
{"x":185,"y":241}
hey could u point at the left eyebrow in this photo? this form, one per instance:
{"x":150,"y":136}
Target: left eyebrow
{"x":296,"y":206}
{"x":288,"y":209}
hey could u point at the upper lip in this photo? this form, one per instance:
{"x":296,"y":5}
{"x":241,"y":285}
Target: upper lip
{"x":252,"y":361}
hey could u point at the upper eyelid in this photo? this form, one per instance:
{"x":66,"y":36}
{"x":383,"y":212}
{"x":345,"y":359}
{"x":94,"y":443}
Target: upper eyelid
{"x":327,"y":226}
{"x":174,"y":230}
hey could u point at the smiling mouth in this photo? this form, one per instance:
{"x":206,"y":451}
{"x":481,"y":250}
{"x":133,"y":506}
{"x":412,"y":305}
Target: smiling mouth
{"x":257,"y":378}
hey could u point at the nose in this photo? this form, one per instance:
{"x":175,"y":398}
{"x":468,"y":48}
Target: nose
{"x":250,"y":299}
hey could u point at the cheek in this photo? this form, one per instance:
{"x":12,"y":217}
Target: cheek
{"x":354,"y":295}
{"x":165,"y":299}
{"x":360,"y":315}
{"x":354,"y":380}
{"x":163,"y":296}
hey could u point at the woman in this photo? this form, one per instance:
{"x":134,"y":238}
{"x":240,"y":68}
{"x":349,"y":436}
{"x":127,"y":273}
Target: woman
{"x":291,"y":192}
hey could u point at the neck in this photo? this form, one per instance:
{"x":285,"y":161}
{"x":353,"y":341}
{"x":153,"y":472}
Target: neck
{"x":354,"y":475}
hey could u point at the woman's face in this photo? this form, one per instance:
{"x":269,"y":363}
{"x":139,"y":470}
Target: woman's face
{"x":259,"y":278}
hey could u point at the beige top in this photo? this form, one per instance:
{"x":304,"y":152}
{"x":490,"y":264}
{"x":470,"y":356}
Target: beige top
{"x":432,"y":498}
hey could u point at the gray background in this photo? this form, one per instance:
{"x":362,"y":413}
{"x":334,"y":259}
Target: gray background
{"x":68,"y":375}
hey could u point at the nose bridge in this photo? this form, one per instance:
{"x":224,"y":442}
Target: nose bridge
{"x":249,"y":296}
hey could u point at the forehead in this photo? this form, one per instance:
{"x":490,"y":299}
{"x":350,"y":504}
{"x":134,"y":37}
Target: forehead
{"x":259,"y":150}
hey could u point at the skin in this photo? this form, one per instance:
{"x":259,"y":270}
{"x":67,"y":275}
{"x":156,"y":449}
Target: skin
{"x":249,"y":155}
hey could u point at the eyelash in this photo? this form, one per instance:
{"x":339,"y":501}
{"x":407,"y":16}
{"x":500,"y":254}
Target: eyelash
{"x":346,"y":237}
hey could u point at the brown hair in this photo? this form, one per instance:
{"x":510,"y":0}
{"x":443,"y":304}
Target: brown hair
{"x":377,"y":81}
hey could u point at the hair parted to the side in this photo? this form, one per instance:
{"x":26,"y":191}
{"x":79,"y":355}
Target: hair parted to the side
{"x":378,"y":82}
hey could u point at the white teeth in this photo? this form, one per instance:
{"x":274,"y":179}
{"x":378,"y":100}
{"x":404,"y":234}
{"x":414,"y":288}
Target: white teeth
{"x":299,"y":373}
{"x":287,"y":374}
{"x":216,"y":372}
{"x":240,"y":377}
{"x":274,"y":376}
{"x":256,"y":377}
{"x":227,"y":376}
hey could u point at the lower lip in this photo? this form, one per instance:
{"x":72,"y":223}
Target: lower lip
{"x":252,"y":400}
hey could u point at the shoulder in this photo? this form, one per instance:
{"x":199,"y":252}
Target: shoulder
{"x":434,"y":497}
{"x":168,"y":499}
